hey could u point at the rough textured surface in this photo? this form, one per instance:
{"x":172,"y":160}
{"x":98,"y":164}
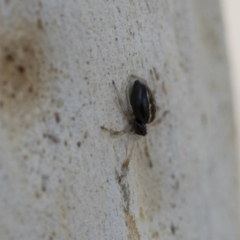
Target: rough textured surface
{"x":60,"y":175}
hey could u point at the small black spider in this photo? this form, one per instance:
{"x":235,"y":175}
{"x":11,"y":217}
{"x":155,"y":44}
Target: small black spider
{"x":141,"y":109}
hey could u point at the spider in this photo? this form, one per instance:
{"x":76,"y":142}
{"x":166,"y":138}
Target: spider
{"x":141,"y":109}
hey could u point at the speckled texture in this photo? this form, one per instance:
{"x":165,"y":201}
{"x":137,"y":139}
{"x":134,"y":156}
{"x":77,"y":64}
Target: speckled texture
{"x":60,"y":174}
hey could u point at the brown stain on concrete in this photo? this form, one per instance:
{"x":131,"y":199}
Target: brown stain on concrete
{"x":132,"y":227}
{"x":22,"y":67}
{"x":155,"y":235}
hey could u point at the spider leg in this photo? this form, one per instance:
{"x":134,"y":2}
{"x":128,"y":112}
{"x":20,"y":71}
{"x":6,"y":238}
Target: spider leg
{"x":120,"y":102}
{"x":117,"y":133}
{"x":129,"y":156}
{"x":146,"y":151}
{"x":159,"y":120}
{"x":127,"y":91}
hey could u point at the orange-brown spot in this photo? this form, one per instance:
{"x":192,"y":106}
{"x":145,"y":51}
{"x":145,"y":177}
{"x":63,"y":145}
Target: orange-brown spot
{"x":155,"y":235}
{"x":53,"y":138}
{"x":133,"y":230}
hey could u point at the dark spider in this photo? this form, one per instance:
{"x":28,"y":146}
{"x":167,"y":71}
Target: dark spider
{"x":141,"y":109}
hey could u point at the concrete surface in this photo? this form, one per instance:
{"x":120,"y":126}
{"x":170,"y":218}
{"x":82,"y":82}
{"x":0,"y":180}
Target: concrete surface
{"x":60,"y":174}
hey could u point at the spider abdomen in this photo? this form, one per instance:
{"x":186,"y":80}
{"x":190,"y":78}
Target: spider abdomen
{"x":142,"y":102}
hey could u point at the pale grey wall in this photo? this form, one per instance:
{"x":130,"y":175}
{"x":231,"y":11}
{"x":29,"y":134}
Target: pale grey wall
{"x":59,"y":173}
